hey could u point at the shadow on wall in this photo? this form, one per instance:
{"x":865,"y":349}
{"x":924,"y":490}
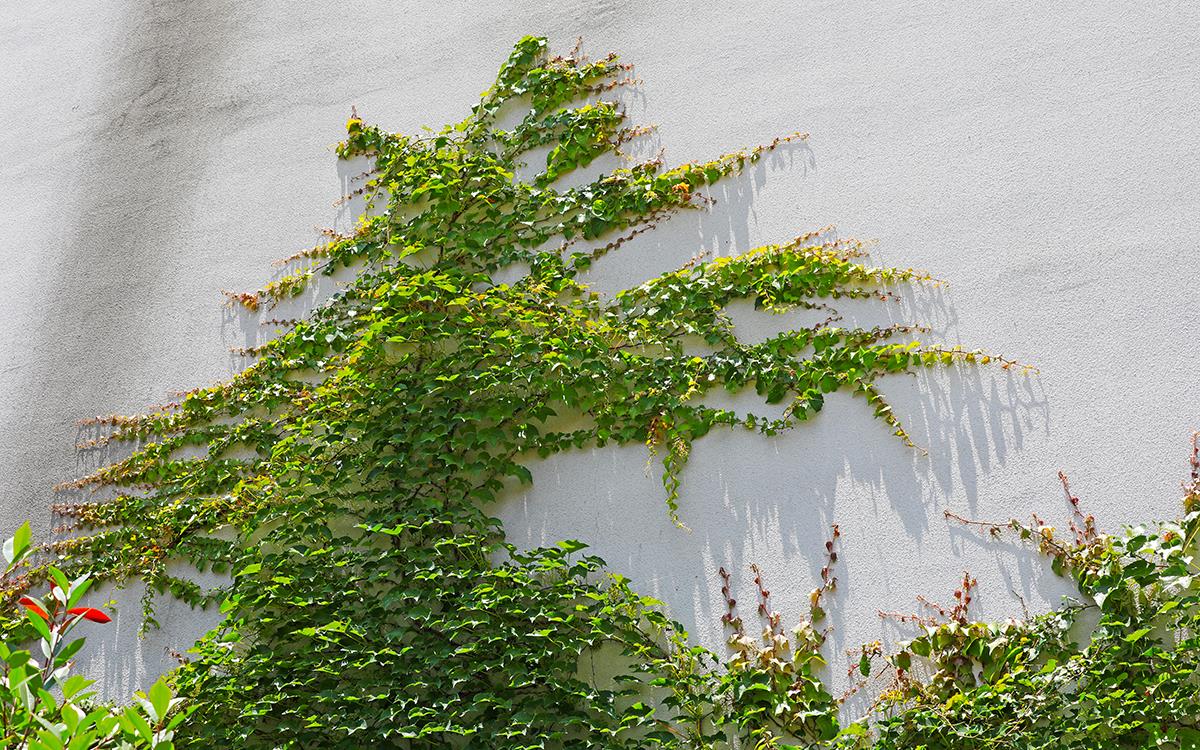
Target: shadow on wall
{"x":748,"y":499}
{"x":133,"y":200}
{"x":723,"y":229}
{"x":752,"y":499}
{"x":245,"y":329}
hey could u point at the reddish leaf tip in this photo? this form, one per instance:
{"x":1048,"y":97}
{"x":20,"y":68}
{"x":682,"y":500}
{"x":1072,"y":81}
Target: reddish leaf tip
{"x":32,"y":605}
{"x":90,"y":613}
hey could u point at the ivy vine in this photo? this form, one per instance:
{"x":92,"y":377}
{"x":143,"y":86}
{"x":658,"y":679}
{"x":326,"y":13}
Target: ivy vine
{"x":344,"y":479}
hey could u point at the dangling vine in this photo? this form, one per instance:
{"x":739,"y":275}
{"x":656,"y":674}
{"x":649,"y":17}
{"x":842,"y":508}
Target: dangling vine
{"x":344,"y":479}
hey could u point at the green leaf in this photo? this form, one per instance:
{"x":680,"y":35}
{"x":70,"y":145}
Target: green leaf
{"x":1137,"y":635}
{"x":131,"y":719}
{"x":73,"y":685}
{"x":160,"y":698}
{"x":67,"y":650}
{"x":39,"y":625}
{"x":18,"y":545}
{"x":78,"y":588}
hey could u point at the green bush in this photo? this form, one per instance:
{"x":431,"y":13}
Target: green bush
{"x":45,"y":707}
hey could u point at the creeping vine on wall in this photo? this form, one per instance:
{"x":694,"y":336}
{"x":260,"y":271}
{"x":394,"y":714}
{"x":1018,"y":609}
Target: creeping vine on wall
{"x":345,"y":478}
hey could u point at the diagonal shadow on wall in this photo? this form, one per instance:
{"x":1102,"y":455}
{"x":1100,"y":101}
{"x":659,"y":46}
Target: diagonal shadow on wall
{"x":111,"y":269}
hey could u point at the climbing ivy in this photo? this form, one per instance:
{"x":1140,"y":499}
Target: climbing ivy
{"x":345,"y":479}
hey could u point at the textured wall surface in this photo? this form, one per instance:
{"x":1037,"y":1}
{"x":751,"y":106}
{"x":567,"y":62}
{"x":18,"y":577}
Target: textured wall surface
{"x":1045,"y":163}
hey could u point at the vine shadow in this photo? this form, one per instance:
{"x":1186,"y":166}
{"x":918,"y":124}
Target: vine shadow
{"x":747,"y":498}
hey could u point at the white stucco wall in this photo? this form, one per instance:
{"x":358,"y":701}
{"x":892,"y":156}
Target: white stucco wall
{"x":1045,"y":162}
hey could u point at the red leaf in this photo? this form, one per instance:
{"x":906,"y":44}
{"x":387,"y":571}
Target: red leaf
{"x":90,"y":613}
{"x":31,"y":604}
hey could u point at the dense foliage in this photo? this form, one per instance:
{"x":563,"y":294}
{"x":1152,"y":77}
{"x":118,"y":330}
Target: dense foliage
{"x":345,"y":479}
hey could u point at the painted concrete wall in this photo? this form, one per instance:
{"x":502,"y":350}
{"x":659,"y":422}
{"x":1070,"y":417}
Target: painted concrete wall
{"x":1045,"y":162}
